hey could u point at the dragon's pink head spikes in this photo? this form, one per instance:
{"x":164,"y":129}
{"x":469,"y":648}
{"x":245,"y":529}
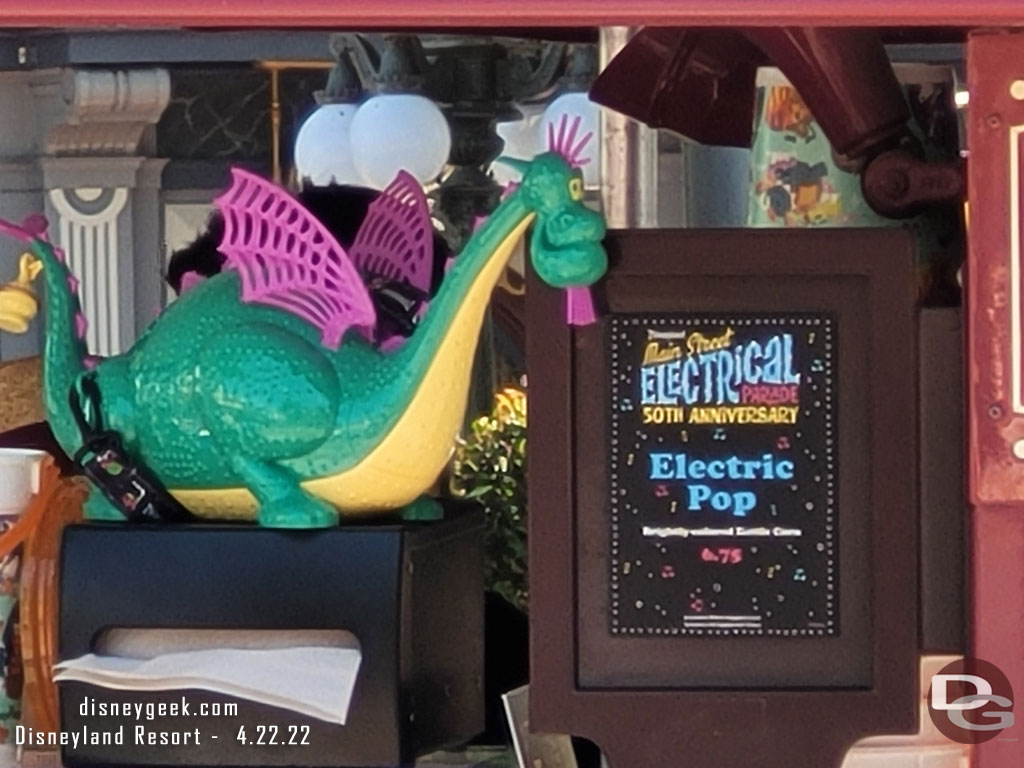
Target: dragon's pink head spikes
{"x":579,"y":307}
{"x":565,"y":142}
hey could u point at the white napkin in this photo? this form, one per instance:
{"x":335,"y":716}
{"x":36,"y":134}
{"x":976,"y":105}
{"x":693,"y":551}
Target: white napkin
{"x":312,"y":675}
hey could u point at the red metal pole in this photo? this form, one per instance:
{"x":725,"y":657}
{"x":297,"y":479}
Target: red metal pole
{"x":995,"y":346}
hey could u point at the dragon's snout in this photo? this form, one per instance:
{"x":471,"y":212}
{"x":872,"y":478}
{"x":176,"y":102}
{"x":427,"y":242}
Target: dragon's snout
{"x":567,"y":248}
{"x":574,"y":226}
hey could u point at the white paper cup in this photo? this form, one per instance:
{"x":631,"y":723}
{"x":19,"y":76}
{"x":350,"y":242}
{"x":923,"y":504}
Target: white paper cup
{"x":19,"y":479}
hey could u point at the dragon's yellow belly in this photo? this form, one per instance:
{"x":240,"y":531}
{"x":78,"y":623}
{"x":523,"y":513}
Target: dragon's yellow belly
{"x":414,"y":453}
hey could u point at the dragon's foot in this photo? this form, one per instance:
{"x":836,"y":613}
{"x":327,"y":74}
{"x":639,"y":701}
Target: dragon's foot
{"x":424,"y":508}
{"x":99,"y":507}
{"x":283,"y":503}
{"x":298,"y":510}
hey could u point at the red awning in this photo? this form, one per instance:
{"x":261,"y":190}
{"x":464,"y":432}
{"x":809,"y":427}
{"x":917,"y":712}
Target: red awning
{"x":700,"y":83}
{"x":506,"y":13}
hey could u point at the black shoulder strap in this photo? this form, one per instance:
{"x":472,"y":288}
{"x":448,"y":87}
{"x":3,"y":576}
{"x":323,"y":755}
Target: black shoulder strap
{"x":126,"y":482}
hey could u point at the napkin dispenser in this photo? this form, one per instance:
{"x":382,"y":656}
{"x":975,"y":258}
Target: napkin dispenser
{"x":411,"y":592}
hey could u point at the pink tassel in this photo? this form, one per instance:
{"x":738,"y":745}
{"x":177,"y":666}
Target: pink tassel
{"x":91,"y":362}
{"x":579,"y":306}
{"x":81,"y":325}
{"x":73,"y":283}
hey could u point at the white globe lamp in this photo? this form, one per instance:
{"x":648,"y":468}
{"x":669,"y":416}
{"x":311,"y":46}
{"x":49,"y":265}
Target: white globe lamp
{"x":323,"y":149}
{"x":399,"y":131}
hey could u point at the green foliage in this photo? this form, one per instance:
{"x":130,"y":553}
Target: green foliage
{"x":490,"y":467}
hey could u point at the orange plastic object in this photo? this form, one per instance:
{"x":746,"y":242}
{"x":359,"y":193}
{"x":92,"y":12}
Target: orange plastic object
{"x":58,"y":503}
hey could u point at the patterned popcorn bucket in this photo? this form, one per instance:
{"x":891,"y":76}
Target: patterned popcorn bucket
{"x":795,"y":182}
{"x":19,"y":483}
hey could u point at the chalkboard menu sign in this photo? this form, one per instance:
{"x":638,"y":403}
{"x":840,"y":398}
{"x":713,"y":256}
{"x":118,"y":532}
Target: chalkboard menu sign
{"x":723,"y":509}
{"x":722,"y":474}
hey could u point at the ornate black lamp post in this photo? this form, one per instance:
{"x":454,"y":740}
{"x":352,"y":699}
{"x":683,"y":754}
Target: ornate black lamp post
{"x":477,"y":85}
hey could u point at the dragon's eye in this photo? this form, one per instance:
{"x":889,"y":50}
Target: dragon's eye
{"x":576,"y":188}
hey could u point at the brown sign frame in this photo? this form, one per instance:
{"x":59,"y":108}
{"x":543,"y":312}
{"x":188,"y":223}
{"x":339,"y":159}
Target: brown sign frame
{"x":647,"y":701}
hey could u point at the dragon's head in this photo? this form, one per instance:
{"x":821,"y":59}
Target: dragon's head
{"x":566,"y":248}
{"x":566,"y":245}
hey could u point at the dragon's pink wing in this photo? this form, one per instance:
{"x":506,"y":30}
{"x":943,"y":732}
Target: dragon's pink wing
{"x":287,"y":259}
{"x":396,"y":240}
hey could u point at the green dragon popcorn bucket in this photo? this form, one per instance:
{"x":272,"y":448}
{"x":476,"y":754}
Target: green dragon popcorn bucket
{"x":795,"y":182}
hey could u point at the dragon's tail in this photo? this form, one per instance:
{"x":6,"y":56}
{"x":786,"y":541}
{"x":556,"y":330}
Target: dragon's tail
{"x":65,"y":355}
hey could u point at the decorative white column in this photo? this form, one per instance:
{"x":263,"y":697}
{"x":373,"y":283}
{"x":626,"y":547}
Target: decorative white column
{"x":102,"y":195}
{"x":90,"y":239}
